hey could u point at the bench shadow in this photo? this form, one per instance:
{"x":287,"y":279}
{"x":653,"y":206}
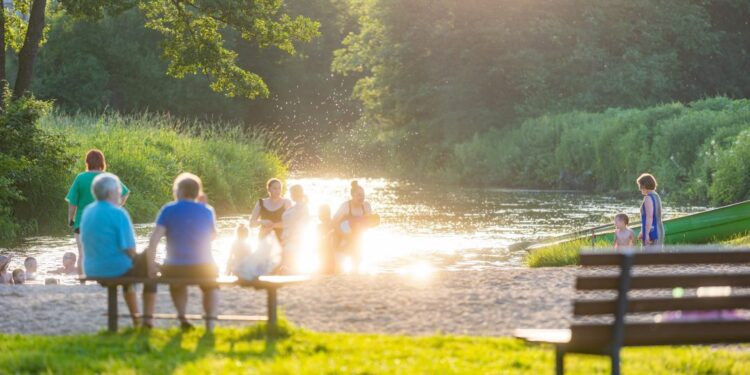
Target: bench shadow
{"x":150,"y":351}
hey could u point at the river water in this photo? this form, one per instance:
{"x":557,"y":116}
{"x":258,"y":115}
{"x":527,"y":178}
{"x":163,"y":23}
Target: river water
{"x":423,"y":228}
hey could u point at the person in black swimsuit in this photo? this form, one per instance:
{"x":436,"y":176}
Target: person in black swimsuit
{"x":267,"y":212}
{"x":351,"y":220}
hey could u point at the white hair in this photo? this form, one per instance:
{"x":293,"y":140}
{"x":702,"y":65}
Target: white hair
{"x":104,"y":184}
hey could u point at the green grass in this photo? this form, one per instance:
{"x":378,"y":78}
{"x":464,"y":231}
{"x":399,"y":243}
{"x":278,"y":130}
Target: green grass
{"x":232,"y":350}
{"x":568,"y":253}
{"x":147,"y":152}
{"x":563,"y":254}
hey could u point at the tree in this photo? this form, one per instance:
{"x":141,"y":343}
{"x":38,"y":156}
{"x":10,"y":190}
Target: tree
{"x":196,"y":34}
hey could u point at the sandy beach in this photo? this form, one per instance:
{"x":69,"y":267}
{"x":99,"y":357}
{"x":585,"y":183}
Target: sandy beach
{"x":489,"y":302}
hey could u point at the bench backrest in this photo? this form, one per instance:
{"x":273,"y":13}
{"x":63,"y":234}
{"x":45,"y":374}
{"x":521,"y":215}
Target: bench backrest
{"x":685,"y":268}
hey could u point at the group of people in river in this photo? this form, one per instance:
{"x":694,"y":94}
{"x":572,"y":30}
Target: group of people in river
{"x":106,"y":243}
{"x":19,"y":275}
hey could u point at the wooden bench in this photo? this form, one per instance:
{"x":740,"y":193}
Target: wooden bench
{"x":271,"y":284}
{"x":654,"y":296}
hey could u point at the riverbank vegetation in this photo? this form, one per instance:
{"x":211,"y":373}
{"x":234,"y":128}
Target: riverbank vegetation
{"x":524,"y":94}
{"x":232,"y":350}
{"x":146,"y":151}
{"x":568,"y":253}
{"x":700,"y":151}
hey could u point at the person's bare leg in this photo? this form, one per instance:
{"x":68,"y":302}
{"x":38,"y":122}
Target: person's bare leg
{"x":132,"y":302}
{"x":79,"y":246}
{"x":179,"y":298}
{"x":149,"y":301}
{"x":210,"y":307}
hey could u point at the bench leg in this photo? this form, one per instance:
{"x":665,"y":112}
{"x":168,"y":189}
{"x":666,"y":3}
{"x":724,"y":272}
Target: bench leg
{"x":272,"y":317}
{"x":615,"y":363}
{"x":559,"y":360}
{"x":112,"y":308}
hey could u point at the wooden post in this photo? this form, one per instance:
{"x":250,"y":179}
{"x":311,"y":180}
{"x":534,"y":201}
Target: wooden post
{"x":559,"y":360}
{"x":618,"y":334}
{"x":112,"y":308}
{"x":272,"y":318}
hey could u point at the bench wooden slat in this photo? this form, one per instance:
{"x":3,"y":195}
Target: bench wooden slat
{"x":643,"y":305}
{"x":239,"y":318}
{"x":551,"y":336}
{"x":668,"y":257}
{"x":263,"y":282}
{"x":586,"y":337}
{"x":695,"y":280}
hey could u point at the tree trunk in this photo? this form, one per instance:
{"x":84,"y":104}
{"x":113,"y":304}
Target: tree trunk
{"x":3,"y":78}
{"x":30,"y":47}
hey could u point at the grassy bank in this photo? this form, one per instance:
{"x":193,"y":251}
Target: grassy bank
{"x":148,"y":151}
{"x":43,"y":150}
{"x":699,"y":152}
{"x":568,"y":253}
{"x":244,"y":350}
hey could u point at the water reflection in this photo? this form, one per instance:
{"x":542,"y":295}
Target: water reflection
{"x":424,"y":229}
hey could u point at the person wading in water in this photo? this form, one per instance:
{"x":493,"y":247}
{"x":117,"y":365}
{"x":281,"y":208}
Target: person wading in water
{"x":268,"y":211}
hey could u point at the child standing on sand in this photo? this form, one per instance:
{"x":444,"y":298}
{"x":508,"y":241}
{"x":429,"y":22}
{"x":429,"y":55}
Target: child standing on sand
{"x":624,"y":236}
{"x":240,"y":249}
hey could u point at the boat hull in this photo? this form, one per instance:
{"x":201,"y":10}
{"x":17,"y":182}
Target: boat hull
{"x":720,"y":224}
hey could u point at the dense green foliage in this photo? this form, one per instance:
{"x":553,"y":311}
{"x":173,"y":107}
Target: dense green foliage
{"x":699,"y":152}
{"x":40,"y":156}
{"x":196,"y":35}
{"x":434,"y":73}
{"x":34,"y":165}
{"x":148,"y":151}
{"x":231,"y":351}
{"x":114,"y":62}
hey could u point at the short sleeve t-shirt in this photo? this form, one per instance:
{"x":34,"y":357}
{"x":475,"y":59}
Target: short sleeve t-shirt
{"x":80,"y":194}
{"x":106,"y":232}
{"x":190,"y":229}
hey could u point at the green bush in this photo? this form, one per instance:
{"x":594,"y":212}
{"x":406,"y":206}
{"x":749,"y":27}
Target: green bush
{"x":694,"y":150}
{"x":148,"y":151}
{"x":34,"y":166}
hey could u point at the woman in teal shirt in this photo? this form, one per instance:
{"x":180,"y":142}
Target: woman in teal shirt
{"x":80,"y":195}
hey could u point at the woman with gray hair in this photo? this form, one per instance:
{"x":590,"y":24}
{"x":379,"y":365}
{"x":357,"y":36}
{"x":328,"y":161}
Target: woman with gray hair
{"x":108,"y":241}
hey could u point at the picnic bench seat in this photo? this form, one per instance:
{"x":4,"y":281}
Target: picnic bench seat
{"x":653,"y":287}
{"x":271,"y":284}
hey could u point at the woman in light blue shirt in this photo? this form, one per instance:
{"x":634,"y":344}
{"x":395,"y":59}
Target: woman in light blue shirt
{"x":108,"y":242}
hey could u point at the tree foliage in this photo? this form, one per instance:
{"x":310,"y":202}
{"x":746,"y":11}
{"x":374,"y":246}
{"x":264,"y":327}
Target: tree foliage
{"x":196,"y":31}
{"x":433,"y":73}
{"x":196,"y":35}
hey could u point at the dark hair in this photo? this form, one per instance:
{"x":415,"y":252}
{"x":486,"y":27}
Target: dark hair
{"x":271,"y":181}
{"x":70,"y":254}
{"x":242,"y":230}
{"x":17,"y":272}
{"x":187,"y":185}
{"x":647,"y":181}
{"x":622,"y":217}
{"x":356,"y":186}
{"x":95,"y":160}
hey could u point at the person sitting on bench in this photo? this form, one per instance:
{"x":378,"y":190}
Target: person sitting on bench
{"x":108,"y":242}
{"x":189,"y":226}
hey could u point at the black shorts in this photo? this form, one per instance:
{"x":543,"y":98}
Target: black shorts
{"x":208,"y":271}
{"x":77,"y":231}
{"x":139,"y":270}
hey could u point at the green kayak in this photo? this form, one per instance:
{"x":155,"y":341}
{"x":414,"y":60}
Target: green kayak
{"x":714,"y":225}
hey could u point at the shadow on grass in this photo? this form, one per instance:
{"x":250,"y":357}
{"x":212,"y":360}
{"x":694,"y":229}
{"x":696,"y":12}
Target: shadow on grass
{"x":142,"y":351}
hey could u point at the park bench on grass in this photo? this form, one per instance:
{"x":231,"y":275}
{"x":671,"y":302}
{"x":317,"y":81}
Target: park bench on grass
{"x":271,"y":284}
{"x":608,"y":338}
